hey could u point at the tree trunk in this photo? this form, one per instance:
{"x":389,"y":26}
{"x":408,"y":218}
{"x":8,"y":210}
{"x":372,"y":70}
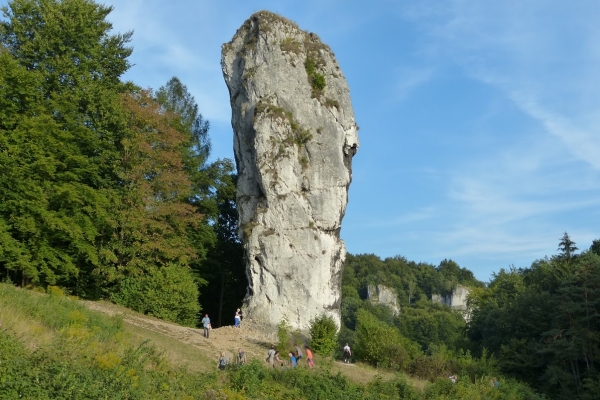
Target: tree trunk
{"x":221,"y":296}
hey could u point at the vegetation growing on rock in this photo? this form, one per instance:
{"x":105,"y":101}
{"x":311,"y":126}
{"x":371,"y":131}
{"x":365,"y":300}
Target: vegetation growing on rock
{"x":107,"y":193}
{"x":275,"y":149}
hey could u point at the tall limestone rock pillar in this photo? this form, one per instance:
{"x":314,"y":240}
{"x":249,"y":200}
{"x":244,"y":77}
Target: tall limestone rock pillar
{"x":295,"y":136}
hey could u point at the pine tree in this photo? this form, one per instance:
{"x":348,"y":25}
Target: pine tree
{"x":567,"y":247}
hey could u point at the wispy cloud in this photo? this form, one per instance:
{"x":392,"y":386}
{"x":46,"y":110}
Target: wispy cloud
{"x":582,"y":138}
{"x":188,"y":49}
{"x":540,"y":55}
{"x":503,"y":185}
{"x":402,"y":219}
{"x":516,"y":198}
{"x":409,"y":78}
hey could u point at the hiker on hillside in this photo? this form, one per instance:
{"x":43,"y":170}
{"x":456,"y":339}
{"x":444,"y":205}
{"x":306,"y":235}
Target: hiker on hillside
{"x":347,"y":353}
{"x":222,"y":363}
{"x":237,"y":319}
{"x":241,"y":357}
{"x":293,"y":361}
{"x":279,"y":361}
{"x":298,"y":352}
{"x":309,"y":357}
{"x":206,"y":325}
{"x":271,"y":357}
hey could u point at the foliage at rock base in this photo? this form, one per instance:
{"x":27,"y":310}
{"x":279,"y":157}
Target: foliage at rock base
{"x":323,"y":335}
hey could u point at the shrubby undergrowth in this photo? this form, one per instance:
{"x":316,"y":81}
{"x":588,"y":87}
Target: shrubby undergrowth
{"x":59,"y":349}
{"x":323,"y":335}
{"x":53,"y":347}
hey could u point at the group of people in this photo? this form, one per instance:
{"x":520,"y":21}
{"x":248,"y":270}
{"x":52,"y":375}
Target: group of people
{"x":273,"y":358}
{"x":223,"y":361}
{"x":295,"y":355}
{"x":237,"y":320}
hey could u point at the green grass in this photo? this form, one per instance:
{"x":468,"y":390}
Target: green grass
{"x":53,"y":347}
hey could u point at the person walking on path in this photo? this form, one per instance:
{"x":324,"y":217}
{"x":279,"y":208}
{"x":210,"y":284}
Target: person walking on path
{"x":293,"y":361}
{"x":237,"y":319}
{"x":309,"y":357}
{"x":298,"y":352}
{"x":222,"y":363}
{"x":206,"y":325}
{"x":241,"y":358}
{"x":271,"y":357}
{"x":347,"y":353}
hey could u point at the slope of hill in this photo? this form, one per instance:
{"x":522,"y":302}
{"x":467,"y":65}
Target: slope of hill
{"x":54,"y":346}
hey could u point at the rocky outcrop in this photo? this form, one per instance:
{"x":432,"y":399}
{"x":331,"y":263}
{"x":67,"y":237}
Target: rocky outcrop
{"x":457,"y":299}
{"x":383,"y":295}
{"x":295,"y":136}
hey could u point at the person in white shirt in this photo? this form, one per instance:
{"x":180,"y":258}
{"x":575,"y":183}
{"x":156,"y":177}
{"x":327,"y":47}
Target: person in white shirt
{"x":347,"y":353}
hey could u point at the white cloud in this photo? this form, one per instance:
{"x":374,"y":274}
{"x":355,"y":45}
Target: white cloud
{"x":421,"y":214}
{"x":582,"y":139}
{"x":180,"y":40}
{"x":539,"y":54}
{"x":515,"y":199}
{"x":409,"y":78}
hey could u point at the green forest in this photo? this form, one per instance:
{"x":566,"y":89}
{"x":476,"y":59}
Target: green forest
{"x":106,"y":187}
{"x":108,"y":192}
{"x":538,"y":325}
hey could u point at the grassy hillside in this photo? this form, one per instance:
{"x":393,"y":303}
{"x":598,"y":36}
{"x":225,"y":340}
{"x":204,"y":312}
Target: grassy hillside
{"x":52,"y":346}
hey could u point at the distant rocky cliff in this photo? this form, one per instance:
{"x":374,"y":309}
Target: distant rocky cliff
{"x":457,"y":299}
{"x":295,"y":137}
{"x":380,"y":294}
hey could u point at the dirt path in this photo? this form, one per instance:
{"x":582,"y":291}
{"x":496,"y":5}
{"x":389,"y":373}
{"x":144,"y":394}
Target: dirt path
{"x":252,"y":338}
{"x":187,"y":346}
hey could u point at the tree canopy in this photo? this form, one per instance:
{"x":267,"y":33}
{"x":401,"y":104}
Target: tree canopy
{"x":542,"y":322}
{"x":106,"y":189}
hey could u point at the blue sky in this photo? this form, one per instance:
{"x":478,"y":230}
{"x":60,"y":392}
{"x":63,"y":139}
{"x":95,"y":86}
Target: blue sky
{"x":479,"y":121}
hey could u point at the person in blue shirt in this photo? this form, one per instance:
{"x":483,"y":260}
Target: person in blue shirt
{"x":293,"y":361}
{"x":206,"y":325}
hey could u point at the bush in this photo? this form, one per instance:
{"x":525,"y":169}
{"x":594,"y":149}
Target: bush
{"x":382,"y":345}
{"x":443,"y":388}
{"x":317,"y":81}
{"x":249,"y":378}
{"x":284,"y":336}
{"x":168,"y":293}
{"x":323,"y":335}
{"x":393,"y":389}
{"x":67,"y":351}
{"x":476,"y":367}
{"x":440,"y":362}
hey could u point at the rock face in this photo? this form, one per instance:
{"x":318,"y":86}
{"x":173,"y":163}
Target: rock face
{"x":295,"y":136}
{"x":457,"y":299}
{"x":383,"y":295}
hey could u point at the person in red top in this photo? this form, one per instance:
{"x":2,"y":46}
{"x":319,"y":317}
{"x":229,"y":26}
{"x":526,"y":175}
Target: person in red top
{"x":309,"y":357}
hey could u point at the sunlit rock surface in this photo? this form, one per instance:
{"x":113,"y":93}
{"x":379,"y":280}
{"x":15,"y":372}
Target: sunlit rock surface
{"x":380,"y":294}
{"x":295,"y":137}
{"x":457,"y":299}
